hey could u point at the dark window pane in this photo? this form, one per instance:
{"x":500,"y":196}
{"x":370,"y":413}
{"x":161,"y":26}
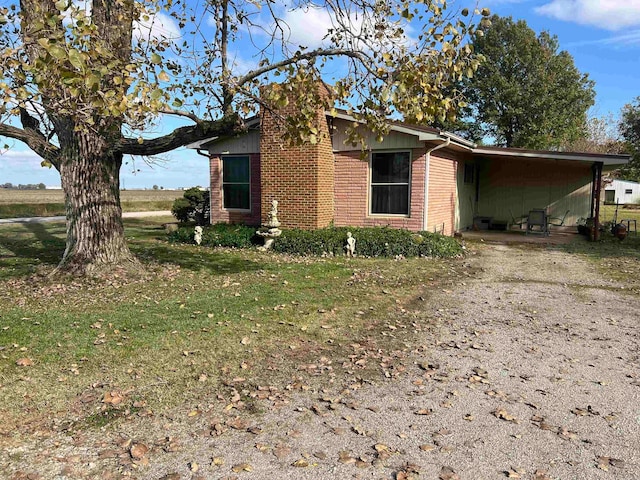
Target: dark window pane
{"x":390,"y":167}
{"x":392,"y":199}
{"x":235,"y":169}
{"x":236,"y":196}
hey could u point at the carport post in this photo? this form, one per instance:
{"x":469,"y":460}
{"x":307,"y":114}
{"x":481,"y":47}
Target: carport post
{"x":595,"y":200}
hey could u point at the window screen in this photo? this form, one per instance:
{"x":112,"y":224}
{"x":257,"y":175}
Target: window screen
{"x":236,"y":182}
{"x":390,"y":178}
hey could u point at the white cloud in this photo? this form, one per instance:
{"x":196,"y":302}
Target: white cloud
{"x":604,"y":14}
{"x":158,"y":27}
{"x":307,"y":27}
{"x":14,"y":158}
{"x":631,"y":38}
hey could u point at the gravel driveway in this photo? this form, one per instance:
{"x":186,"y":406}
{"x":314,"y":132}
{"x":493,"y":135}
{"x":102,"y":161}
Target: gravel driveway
{"x":529,"y":370}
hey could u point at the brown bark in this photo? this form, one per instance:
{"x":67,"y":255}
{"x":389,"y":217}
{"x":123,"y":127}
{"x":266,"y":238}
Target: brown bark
{"x":90,"y":175}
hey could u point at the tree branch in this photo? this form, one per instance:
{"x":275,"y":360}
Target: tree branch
{"x":181,"y":113}
{"x":305,"y":56}
{"x":34,"y":140}
{"x":182,"y":136}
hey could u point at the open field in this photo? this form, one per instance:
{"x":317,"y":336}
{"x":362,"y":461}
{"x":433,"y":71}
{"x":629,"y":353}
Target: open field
{"x":45,"y":203}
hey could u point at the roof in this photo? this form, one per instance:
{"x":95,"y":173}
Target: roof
{"x":423,"y":132}
{"x":426,"y":133}
{"x":250,"y":123}
{"x":606,"y":159}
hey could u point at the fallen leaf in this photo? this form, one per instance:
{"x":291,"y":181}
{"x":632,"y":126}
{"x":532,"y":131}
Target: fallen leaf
{"x":447,"y":473}
{"x":281,"y":451}
{"x":24,"y":362}
{"x":113,"y":398}
{"x":242,"y":467}
{"x":424,"y":411}
{"x":541,"y":475}
{"x":301,"y":463}
{"x":502,"y":414}
{"x":345,"y":457}
{"x":138,"y":450}
{"x":238,"y":423}
{"x":427,"y":447}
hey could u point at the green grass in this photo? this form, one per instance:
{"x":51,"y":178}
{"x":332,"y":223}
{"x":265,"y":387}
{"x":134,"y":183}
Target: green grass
{"x":199,"y":314}
{"x":607,"y":212}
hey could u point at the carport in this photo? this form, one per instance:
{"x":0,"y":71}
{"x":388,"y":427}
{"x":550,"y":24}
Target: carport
{"x":511,"y":182}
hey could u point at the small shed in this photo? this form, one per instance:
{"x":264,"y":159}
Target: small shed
{"x":622,"y":191}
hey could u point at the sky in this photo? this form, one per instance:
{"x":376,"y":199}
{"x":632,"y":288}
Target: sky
{"x":603,"y":36}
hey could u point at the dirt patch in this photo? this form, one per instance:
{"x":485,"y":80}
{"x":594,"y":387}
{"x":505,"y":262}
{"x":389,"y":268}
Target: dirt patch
{"x":530,"y":370}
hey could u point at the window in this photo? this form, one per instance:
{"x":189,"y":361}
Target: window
{"x":628,"y":191}
{"x":236,"y":182}
{"x":390,"y":174}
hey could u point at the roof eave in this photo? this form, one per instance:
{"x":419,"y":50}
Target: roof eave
{"x":607,"y":160}
{"x":421,"y":135}
{"x":200,"y":144}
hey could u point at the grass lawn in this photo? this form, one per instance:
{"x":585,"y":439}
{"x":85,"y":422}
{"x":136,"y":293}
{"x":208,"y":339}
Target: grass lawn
{"x":202,"y":322}
{"x":45,"y":203}
{"x":607,"y":212}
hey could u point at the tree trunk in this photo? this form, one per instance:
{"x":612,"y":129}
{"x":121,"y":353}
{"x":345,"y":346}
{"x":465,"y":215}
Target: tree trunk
{"x":90,"y":175}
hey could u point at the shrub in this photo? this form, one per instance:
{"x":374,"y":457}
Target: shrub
{"x":370,"y":242}
{"x":219,"y":235}
{"x":193,"y":206}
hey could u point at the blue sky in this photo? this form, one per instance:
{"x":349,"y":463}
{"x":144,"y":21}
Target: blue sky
{"x":602,"y":36}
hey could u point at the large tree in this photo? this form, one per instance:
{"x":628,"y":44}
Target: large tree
{"x":525,"y":93}
{"x":630,"y":131}
{"x":81,"y":81}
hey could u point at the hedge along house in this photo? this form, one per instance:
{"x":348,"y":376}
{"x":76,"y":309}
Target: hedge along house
{"x":418,"y":178}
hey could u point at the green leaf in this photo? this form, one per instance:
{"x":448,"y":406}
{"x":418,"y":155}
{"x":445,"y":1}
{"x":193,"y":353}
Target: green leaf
{"x":156,"y":94}
{"x":57,"y":52}
{"x":156,"y":59}
{"x":75,"y":57}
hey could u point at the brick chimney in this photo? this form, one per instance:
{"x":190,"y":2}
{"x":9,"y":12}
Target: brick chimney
{"x":300,"y":177}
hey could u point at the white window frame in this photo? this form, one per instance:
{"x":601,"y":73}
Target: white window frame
{"x":223,"y":183}
{"x":371,"y":185}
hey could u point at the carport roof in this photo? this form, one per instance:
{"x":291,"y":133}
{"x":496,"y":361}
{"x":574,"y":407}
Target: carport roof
{"x":607,"y":159}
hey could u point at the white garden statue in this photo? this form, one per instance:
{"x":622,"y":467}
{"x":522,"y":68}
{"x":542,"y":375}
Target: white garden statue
{"x":269,"y":230}
{"x":351,"y":245}
{"x":197,"y":235}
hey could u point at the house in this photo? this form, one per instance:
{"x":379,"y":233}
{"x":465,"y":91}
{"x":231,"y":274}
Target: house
{"x":621,"y":191}
{"x":418,"y":178}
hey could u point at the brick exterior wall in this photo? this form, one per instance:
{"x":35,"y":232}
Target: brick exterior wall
{"x":442,"y":200}
{"x":301,"y":177}
{"x":220,"y":214}
{"x":352,"y":193}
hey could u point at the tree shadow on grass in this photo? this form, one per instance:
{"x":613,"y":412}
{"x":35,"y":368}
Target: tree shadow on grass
{"x":25,"y":246}
{"x":196,"y":258}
